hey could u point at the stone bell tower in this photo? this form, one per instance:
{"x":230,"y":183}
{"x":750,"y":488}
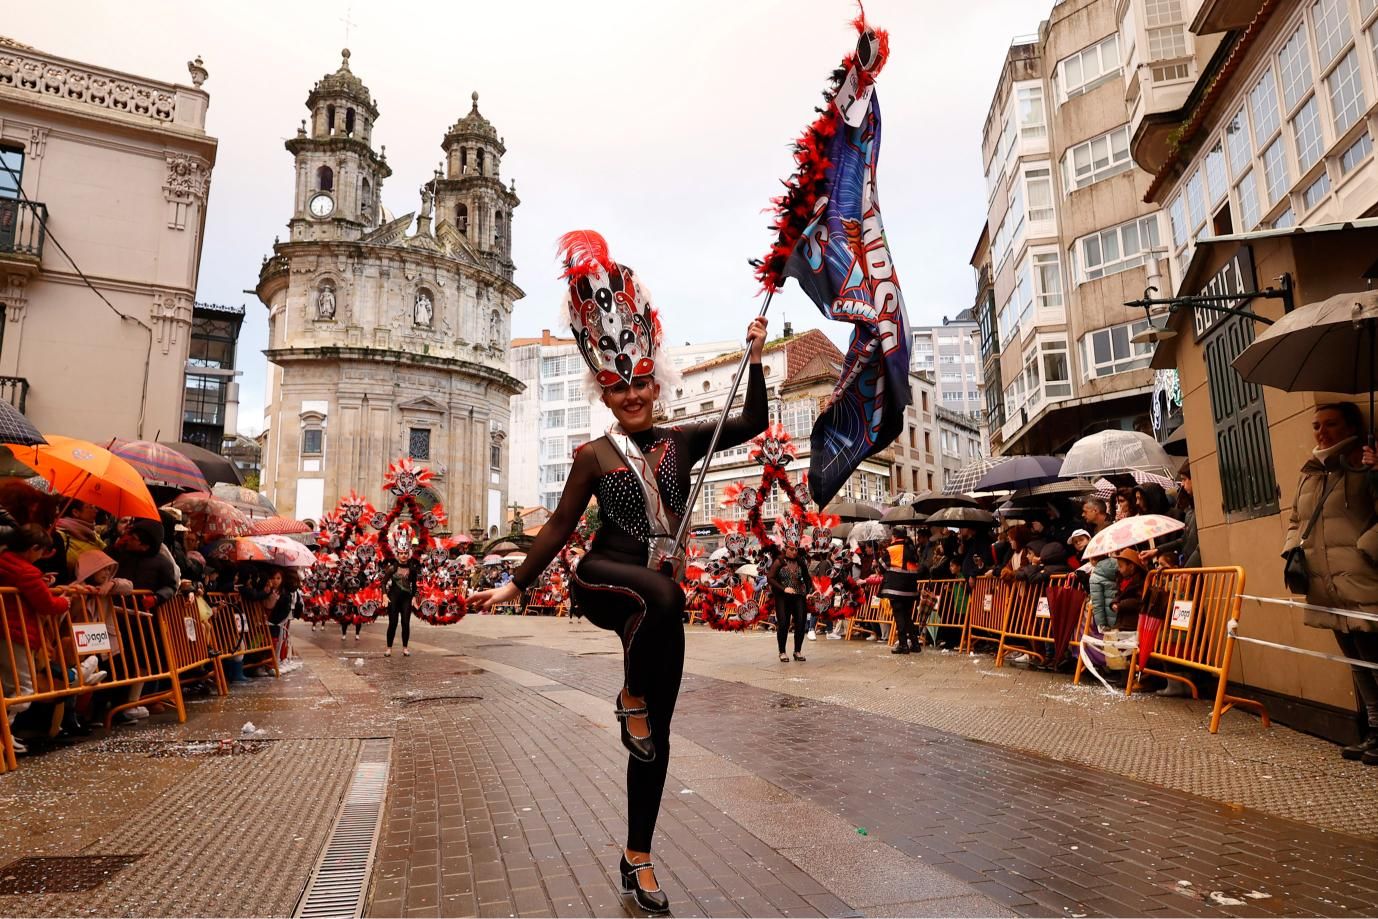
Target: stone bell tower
{"x":470,"y":195}
{"x":339,"y":177}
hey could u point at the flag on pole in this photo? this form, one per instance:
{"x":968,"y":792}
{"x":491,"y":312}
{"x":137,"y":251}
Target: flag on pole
{"x":831,"y":240}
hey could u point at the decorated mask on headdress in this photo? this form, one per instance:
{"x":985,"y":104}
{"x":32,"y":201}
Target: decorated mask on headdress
{"x":789,"y":530}
{"x":610,"y":311}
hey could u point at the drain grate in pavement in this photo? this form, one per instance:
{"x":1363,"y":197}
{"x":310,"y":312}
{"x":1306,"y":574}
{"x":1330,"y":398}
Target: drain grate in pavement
{"x":337,"y":885}
{"x":61,"y":873}
{"x":595,"y":653}
{"x":458,"y":697}
{"x":472,"y":671}
{"x":496,"y":644}
{"x":178,"y":748}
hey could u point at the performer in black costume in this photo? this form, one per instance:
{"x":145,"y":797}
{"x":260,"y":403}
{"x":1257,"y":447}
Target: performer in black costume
{"x":640,"y":474}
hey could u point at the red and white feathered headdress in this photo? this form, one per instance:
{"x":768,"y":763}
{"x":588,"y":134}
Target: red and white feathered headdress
{"x":610,"y":311}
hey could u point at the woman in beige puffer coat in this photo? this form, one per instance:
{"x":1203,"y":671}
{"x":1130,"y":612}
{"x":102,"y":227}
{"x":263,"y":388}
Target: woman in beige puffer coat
{"x":1342,"y":549}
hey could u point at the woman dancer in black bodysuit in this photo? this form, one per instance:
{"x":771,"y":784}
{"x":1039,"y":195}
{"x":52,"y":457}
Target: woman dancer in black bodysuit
{"x":640,"y":474}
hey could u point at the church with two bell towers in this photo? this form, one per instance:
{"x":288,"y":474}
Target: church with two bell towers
{"x":388,"y":336}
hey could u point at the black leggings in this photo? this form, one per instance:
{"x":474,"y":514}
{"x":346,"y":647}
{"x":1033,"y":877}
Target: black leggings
{"x":790,"y":607}
{"x":616,"y":591}
{"x":1363,"y":646}
{"x":902,"y":609}
{"x":344,"y":628}
{"x":404,"y":601}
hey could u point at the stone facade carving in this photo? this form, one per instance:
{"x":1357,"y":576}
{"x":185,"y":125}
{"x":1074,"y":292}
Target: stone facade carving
{"x":13,"y":297}
{"x":27,"y":70}
{"x":187,"y":182}
{"x":423,"y":311}
{"x":38,"y":139}
{"x":325,"y":303}
{"x":171,"y":315}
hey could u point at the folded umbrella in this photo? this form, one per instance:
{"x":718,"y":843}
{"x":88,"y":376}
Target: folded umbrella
{"x":1020,"y":472}
{"x":93,"y":475}
{"x":1131,"y":531}
{"x":160,"y":465}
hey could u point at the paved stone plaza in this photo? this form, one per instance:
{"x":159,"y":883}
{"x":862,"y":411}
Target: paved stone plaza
{"x":856,"y":784}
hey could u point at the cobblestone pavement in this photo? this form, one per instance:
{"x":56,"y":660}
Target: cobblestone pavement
{"x":855,"y":784}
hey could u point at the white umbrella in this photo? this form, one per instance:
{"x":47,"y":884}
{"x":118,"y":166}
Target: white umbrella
{"x":1131,"y":531}
{"x":869,"y":531}
{"x":718,"y":553}
{"x":750,"y":571}
{"x":1115,"y":451}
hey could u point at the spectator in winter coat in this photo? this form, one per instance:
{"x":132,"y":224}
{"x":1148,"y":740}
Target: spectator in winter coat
{"x":1096,"y":514}
{"x":1103,"y":588}
{"x":1129,"y":591}
{"x":139,"y":552}
{"x":79,"y":526}
{"x":96,"y":569}
{"x":29,"y":543}
{"x":1052,"y":562}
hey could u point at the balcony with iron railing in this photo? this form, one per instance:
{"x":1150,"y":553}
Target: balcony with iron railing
{"x":15,"y":391}
{"x":22,"y":232}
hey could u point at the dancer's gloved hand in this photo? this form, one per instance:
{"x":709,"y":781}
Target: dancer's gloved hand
{"x":506,"y":595}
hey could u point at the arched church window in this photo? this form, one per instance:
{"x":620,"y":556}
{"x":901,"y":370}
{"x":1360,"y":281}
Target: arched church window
{"x":463,"y":159}
{"x":366,"y":198}
{"x":349,"y":122}
{"x":497,"y":227}
{"x":480,"y":161}
{"x":325,"y":179}
{"x":462,"y":218}
{"x":330,"y":119}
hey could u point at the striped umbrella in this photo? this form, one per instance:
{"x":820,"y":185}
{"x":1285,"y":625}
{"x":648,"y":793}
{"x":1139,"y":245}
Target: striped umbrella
{"x":279,"y":526}
{"x":964,"y":480}
{"x":160,"y":465}
{"x":1106,"y":488}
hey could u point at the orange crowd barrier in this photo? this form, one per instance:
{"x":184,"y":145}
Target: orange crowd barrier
{"x":190,"y":655}
{"x":873,"y":614}
{"x":942,"y":604}
{"x":1028,"y":623}
{"x":1197,"y":605}
{"x":238,"y":627}
{"x":990,"y":598}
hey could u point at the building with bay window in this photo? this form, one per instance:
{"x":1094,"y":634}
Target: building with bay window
{"x":1067,"y":238}
{"x":951,"y":352}
{"x":1265,"y":168}
{"x":210,"y":405}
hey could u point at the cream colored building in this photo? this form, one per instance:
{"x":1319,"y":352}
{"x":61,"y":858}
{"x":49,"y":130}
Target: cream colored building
{"x":1268,"y":176}
{"x":1067,"y":232}
{"x":388,"y":336}
{"x":116,"y":167}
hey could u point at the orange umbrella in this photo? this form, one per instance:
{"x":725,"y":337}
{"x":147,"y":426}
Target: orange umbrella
{"x":79,"y":469}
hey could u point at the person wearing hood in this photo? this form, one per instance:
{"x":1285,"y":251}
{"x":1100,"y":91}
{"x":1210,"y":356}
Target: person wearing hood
{"x":1335,"y":522}
{"x":79,"y":526}
{"x":18,"y":569}
{"x":96,"y":569}
{"x":139,"y":553}
{"x":1052,"y":562}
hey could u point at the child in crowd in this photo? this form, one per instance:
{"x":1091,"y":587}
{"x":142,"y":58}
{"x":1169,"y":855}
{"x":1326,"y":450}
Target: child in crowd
{"x":96,"y":569}
{"x":26,"y":545}
{"x":1104,"y":589}
{"x":1129,"y":590}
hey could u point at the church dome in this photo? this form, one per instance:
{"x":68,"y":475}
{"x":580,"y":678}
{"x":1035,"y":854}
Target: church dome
{"x":474,"y":125}
{"x":343,"y":85}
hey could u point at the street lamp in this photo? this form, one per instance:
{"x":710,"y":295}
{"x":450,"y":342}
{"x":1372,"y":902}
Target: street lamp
{"x":1216,"y":303}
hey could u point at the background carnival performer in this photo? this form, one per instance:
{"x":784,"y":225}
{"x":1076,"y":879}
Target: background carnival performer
{"x":640,"y":474}
{"x":789,"y":580}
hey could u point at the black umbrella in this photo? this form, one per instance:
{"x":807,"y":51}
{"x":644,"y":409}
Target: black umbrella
{"x":962,"y":516}
{"x":852,"y":510}
{"x":904,"y":515}
{"x":16,"y":429}
{"x":1021,"y":472}
{"x":213,"y":466}
{"x":931,"y":501}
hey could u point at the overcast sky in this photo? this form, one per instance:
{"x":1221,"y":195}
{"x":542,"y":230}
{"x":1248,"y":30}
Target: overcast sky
{"x":664,"y":125}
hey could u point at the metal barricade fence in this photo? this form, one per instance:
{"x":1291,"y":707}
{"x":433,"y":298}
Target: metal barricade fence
{"x":188,"y":643}
{"x":942,"y":604}
{"x":990,"y":600}
{"x":1198,"y":605}
{"x":238,"y":627}
{"x":1029,"y":623}
{"x":874,"y":613}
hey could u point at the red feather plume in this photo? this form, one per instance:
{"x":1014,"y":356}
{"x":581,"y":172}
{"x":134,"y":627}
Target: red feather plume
{"x":583,"y":252}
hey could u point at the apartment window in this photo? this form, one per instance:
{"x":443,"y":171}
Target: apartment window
{"x":1008,"y":320}
{"x":11,"y":171}
{"x":679,"y":412}
{"x":927,"y":442}
{"x":553,"y":419}
{"x":1089,"y":67}
{"x":1109,"y":351}
{"x":1047,"y":280}
{"x":1263,"y":106}
{"x":495,"y":458}
{"x":1294,"y":63}
{"x":1177,"y":221}
{"x":1038,"y":185}
{"x":1331,"y":19}
{"x":1117,"y":248}
{"x":1051,"y":360}
{"x":552,"y":392}
{"x":574,"y":391}
{"x":1306,"y":132}
{"x":1023,"y":295}
{"x":1096,"y":159}
{"x":1217,"y":184}
{"x":1166,"y":43}
{"x":1346,"y":90}
{"x":1237,"y":140}
{"x":419,"y":443}
{"x":1315,"y":192}
{"x":312,"y":442}
{"x":553,"y":448}
{"x":1243,"y":448}
{"x":1248,"y":202}
{"x":1284,"y":220}
{"x":1032,"y":122}
{"x":1275,"y":180}
{"x":1357,"y":152}
{"x":577,"y":417}
{"x":1196,"y":202}
{"x":1015,"y":214}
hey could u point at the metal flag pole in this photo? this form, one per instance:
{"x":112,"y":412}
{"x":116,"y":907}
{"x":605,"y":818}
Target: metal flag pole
{"x":683,"y":531}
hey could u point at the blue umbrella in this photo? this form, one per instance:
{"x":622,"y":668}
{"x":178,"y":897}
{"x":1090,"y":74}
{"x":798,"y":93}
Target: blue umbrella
{"x":1021,"y":472}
